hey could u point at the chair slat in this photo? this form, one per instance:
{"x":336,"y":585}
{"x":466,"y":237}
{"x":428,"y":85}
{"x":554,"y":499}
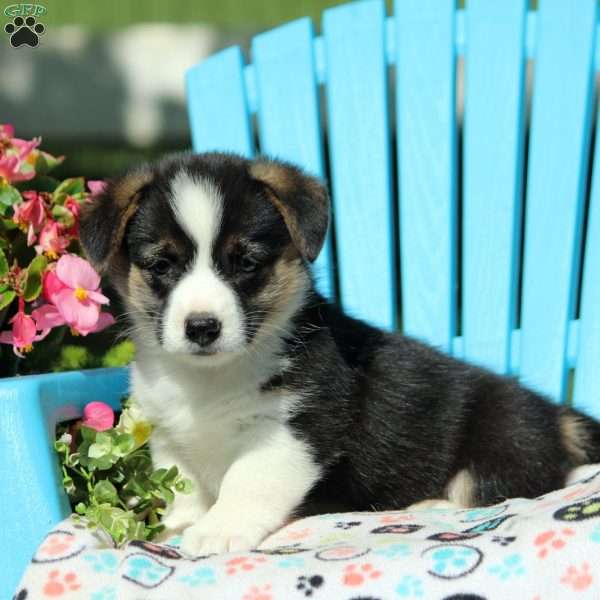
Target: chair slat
{"x":587,"y":374}
{"x":357,"y":107}
{"x":556,"y":182}
{"x":425,"y":77}
{"x":217,"y":104}
{"x":288,"y":110}
{"x":493,"y":167}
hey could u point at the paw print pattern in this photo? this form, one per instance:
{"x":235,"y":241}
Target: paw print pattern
{"x":357,"y":574}
{"x":587,"y":509}
{"x":24,"y":32}
{"x":510,"y":567}
{"x":201,"y":576}
{"x":292,"y":562}
{"x":595,"y":534}
{"x":58,"y":545}
{"x":394,"y":551}
{"x":146,"y":571}
{"x":347,"y":524}
{"x":503,"y":541}
{"x":243,"y":563}
{"x":450,"y":561}
{"x":481,"y":514}
{"x":307,"y":585}
{"x":410,"y":587}
{"x":102,"y":562}
{"x":105,"y":593}
{"x":56,"y":584}
{"x":345,"y":552}
{"x":578,"y":579}
{"x":551,"y":540}
{"x":258,"y":593}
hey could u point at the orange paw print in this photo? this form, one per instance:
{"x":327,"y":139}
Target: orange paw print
{"x":57,"y":585}
{"x":256,"y":593}
{"x":56,"y":543}
{"x":551,"y":539}
{"x":578,"y":579}
{"x":243,"y":563}
{"x":353,"y":575}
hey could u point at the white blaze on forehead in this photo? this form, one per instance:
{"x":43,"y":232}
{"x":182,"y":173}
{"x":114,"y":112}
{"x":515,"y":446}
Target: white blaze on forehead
{"x":198,"y":208}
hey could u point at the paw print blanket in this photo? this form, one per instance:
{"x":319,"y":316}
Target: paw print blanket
{"x":536,"y":549}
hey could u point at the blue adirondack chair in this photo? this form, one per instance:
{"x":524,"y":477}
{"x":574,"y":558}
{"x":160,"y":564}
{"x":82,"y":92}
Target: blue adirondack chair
{"x":492,"y":253}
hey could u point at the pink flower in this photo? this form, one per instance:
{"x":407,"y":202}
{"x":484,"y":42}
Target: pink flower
{"x":74,"y":208}
{"x":15,"y":160}
{"x":74,"y":290}
{"x":23,"y":332}
{"x":98,"y":416}
{"x":96,"y":187}
{"x":52,"y":241}
{"x":30,"y":215}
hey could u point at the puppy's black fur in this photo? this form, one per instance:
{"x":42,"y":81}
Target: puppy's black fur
{"x":390,"y":420}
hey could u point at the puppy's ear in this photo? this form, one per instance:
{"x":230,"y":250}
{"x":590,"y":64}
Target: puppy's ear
{"x":301,"y":200}
{"x":104,"y":220}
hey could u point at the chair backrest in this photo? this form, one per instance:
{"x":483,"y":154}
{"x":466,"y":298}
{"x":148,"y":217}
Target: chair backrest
{"x":457,"y":147}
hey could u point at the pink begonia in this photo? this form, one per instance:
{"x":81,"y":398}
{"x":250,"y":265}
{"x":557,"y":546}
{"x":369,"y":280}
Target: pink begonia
{"x":14,"y":156}
{"x":98,"y":416}
{"x":73,"y":287}
{"x":52,"y":241}
{"x":23,"y":332}
{"x":97,"y":187}
{"x":30,"y":215}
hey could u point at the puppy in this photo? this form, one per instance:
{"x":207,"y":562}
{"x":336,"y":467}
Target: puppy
{"x":270,"y":398}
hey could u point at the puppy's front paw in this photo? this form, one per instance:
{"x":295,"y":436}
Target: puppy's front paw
{"x":204,"y":538}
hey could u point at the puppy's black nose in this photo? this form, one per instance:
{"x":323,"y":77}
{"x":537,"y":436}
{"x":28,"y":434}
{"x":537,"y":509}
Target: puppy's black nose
{"x":202,"y":328}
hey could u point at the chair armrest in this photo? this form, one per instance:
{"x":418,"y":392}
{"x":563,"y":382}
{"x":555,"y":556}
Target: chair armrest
{"x":32,"y":497}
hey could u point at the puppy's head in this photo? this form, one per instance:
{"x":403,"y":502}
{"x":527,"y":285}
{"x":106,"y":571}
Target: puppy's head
{"x":209,"y":252}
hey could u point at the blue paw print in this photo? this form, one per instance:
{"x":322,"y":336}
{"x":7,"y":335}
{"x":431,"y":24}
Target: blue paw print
{"x":510,"y":567}
{"x":291,"y":562}
{"x":394,"y":551}
{"x":103,"y":562}
{"x":146,"y":571}
{"x":174,"y":541}
{"x":449,"y":561}
{"x":106,"y":593}
{"x":201,"y":576}
{"x":410,"y":587}
{"x":595,"y":534}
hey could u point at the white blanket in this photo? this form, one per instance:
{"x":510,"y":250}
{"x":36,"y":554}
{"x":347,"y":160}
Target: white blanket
{"x":521,"y":549}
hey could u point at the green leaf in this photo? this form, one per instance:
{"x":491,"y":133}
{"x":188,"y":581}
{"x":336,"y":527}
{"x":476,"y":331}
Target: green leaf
{"x":88,"y":434}
{"x":80,"y":508}
{"x":6,"y":298}
{"x":43,"y":183}
{"x":9,"y":195}
{"x":62,"y":214}
{"x":105,"y":491}
{"x":158,"y":475}
{"x":3,"y":264}
{"x":124,"y":444}
{"x":33,"y":283}
{"x":46,"y":162}
{"x":69,"y":187}
{"x":7,"y":224}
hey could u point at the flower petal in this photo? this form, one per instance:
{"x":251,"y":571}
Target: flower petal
{"x":47,"y":317}
{"x":77,"y":272}
{"x":98,"y":416}
{"x":80,"y":314}
{"x":98,"y":297}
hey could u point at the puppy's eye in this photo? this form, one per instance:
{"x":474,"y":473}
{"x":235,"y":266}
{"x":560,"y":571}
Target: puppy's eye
{"x":161,"y":266}
{"x":247,"y":264}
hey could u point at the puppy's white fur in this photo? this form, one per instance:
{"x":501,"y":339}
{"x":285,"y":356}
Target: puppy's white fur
{"x":248,"y":470}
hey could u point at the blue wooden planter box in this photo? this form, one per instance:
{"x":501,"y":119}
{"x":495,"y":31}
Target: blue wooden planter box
{"x":449,"y":222}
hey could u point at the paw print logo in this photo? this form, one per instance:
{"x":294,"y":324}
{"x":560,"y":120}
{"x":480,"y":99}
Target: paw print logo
{"x":347,"y":524}
{"x":357,"y":574}
{"x":450,"y":561}
{"x":57,"y":584}
{"x":308,"y":585}
{"x":102,"y":562}
{"x":201,"y":576}
{"x":551,"y":540}
{"x":24,"y":32}
{"x":578,"y":579}
{"x":410,"y":587}
{"x":258,"y":593}
{"x":510,"y":567}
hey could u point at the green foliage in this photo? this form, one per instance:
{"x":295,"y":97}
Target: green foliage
{"x":119,"y":355}
{"x":112,"y":485}
{"x":33,"y":282}
{"x":9,"y":195}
